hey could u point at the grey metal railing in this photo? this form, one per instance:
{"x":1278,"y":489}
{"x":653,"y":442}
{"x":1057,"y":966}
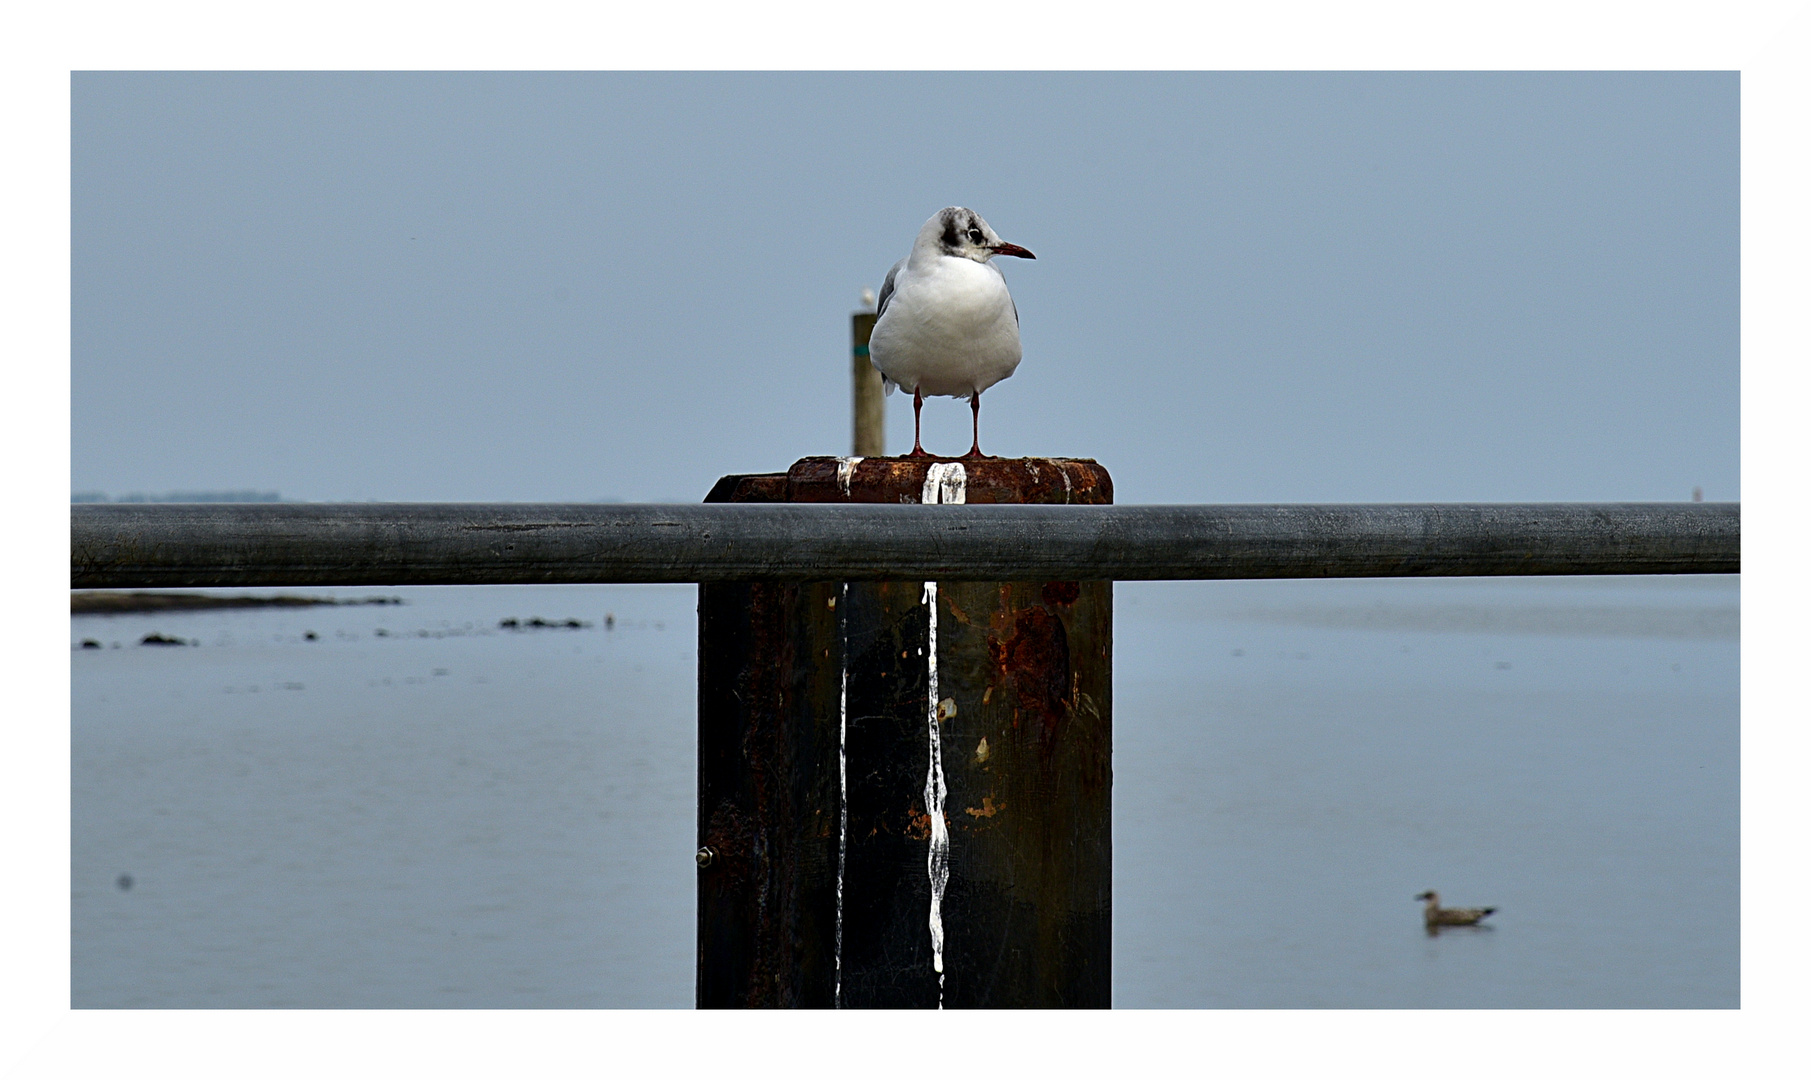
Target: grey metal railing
{"x":189,"y":545}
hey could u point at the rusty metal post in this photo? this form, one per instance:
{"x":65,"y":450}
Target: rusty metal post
{"x":823,"y":752}
{"x":870,"y":437}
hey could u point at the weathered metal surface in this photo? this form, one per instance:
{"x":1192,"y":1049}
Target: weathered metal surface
{"x":1024,"y":678}
{"x":767,"y":783}
{"x":131,"y":546}
{"x":989,"y":481}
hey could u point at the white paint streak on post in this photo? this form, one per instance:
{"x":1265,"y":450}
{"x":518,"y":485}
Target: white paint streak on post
{"x":946,"y":482}
{"x":845,"y":476}
{"x":845,"y":472}
{"x":938,"y":861}
{"x":842,"y":778}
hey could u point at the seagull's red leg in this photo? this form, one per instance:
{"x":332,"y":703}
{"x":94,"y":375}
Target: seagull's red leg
{"x":917,"y":409}
{"x":974,"y":406}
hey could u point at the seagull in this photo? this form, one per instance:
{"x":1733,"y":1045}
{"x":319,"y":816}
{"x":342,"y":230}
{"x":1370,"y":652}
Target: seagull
{"x":1436,"y":916}
{"x":945,"y":325}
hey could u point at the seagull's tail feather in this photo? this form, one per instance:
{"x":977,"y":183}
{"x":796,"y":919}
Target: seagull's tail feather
{"x":889,"y":384}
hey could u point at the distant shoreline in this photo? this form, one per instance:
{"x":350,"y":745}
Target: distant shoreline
{"x":125,"y":603}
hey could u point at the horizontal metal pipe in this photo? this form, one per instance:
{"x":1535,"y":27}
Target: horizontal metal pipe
{"x":167,"y":545}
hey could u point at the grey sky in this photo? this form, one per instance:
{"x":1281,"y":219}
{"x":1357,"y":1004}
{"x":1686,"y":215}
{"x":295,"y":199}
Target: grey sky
{"x":1249,"y":287}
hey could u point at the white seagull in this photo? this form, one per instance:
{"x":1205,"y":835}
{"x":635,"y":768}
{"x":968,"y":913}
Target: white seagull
{"x":946,"y":326}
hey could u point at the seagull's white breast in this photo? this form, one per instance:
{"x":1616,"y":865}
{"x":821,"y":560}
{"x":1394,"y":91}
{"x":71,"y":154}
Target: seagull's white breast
{"x":949,"y":328}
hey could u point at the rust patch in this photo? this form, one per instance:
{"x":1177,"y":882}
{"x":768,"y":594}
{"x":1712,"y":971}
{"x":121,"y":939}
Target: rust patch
{"x":1035,"y":661}
{"x":1062,"y":592}
{"x":918,"y":827}
{"x":891,"y":479}
{"x":757,"y":487}
{"x":988,"y":809}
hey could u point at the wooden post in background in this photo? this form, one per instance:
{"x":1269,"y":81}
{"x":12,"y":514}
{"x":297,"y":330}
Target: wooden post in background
{"x":870,"y":411}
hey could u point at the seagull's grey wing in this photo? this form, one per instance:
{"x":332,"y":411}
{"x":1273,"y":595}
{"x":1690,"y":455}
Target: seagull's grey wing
{"x":886,"y":289}
{"x":880,"y":308}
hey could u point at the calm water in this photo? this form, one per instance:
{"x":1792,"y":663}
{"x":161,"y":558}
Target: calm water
{"x":450,"y":814}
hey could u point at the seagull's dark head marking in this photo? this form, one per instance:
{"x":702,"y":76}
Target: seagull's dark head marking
{"x":963,"y":235}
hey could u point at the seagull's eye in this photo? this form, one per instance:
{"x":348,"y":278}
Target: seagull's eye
{"x":975,"y":235}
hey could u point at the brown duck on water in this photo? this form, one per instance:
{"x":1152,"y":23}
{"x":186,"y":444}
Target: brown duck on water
{"x":1437,"y":916}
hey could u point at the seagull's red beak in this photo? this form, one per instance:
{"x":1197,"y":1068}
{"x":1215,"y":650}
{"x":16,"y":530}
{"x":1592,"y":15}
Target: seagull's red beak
{"x":1012,"y":249}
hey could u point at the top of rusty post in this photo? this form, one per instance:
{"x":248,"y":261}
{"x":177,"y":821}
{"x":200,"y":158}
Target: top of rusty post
{"x":1081,"y":481}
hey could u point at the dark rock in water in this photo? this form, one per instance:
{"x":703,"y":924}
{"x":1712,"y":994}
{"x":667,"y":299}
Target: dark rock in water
{"x":311,"y":636}
{"x":159,"y":639}
{"x":609,"y":621}
{"x":507,"y":624}
{"x":90,"y":643}
{"x":538,"y":623}
{"x":124,"y":881}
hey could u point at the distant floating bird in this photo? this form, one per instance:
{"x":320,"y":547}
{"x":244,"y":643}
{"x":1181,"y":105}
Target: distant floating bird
{"x":1436,"y":916}
{"x":945,"y":325}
